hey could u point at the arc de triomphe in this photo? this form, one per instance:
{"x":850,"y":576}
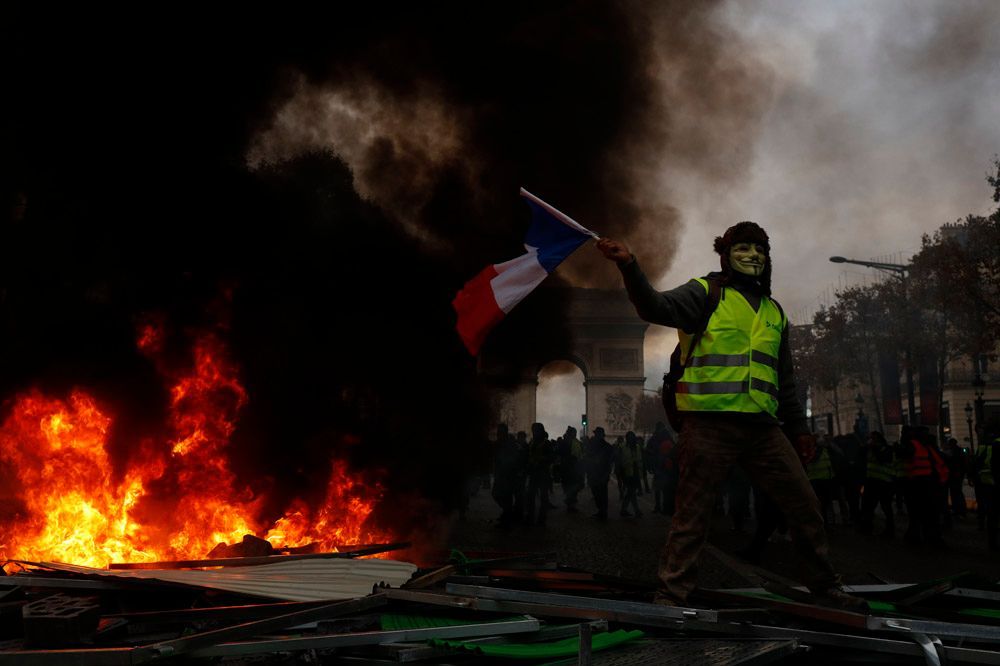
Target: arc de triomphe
{"x":606,"y":344}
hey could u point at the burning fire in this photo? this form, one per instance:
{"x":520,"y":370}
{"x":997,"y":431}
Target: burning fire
{"x":67,"y":501}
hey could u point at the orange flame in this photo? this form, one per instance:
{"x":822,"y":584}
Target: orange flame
{"x":69,"y":505}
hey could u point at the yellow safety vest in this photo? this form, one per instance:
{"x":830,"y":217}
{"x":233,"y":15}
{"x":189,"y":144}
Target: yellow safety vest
{"x":881,"y":471}
{"x":986,"y":465}
{"x":628,"y":460}
{"x":734,"y":368}
{"x":821,"y":467}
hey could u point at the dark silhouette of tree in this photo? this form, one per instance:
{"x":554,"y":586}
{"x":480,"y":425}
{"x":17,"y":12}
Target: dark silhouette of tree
{"x":946,"y":309}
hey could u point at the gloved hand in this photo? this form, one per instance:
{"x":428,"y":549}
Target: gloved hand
{"x":805,"y":446}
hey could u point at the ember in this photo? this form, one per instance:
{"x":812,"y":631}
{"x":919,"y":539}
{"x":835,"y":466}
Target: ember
{"x":175,"y":499}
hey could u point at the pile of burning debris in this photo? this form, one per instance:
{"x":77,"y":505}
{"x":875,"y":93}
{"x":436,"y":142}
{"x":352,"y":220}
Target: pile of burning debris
{"x":472,"y":608}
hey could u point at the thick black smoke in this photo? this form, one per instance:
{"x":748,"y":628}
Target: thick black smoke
{"x":146,"y":171}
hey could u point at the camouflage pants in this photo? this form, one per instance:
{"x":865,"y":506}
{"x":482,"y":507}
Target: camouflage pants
{"x":709,"y":447}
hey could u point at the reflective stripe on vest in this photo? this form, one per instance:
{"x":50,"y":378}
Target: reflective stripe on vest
{"x":821,"y":468}
{"x":920,"y":464}
{"x":735,"y":366}
{"x":881,"y":471}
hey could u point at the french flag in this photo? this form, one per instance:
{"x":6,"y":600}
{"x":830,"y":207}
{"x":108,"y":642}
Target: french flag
{"x":487,"y":298}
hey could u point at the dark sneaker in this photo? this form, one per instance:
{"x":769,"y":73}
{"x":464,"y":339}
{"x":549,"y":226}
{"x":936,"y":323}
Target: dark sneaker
{"x":837,"y":598}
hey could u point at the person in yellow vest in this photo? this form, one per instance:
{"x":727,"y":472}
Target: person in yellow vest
{"x":879,"y":478}
{"x":820,"y":473}
{"x":736,"y":393}
{"x":987,"y":495}
{"x":630,"y":466}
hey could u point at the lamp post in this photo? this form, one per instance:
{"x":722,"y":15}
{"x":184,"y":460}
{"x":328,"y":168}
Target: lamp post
{"x":968,"y":419}
{"x":901,"y":271}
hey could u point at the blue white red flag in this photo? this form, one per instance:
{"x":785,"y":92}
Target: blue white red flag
{"x":487,"y":298}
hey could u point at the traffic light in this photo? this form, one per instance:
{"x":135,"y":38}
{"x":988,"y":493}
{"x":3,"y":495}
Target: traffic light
{"x":583,"y":420}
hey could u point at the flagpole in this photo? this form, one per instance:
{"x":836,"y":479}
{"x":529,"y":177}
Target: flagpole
{"x":559,"y":215}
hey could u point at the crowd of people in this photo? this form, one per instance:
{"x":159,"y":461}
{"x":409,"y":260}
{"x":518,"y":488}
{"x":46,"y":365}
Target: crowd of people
{"x":853,"y":478}
{"x":526,"y":469}
{"x":913,"y":476}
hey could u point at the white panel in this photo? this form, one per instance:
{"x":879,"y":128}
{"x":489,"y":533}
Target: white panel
{"x":298,"y":580}
{"x":516,"y":279}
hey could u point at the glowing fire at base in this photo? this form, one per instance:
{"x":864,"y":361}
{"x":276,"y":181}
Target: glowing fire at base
{"x":65,"y":500}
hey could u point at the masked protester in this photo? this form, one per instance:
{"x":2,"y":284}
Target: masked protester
{"x":735,"y":393}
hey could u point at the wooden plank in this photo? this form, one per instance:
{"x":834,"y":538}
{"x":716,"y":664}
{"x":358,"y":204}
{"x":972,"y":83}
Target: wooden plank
{"x":430,"y":578}
{"x":535,"y":609}
{"x":215,"y":613}
{"x":543,"y":574}
{"x":512,"y":559}
{"x":187,"y":644}
{"x":811,"y":611}
{"x":586,"y":603}
{"x":84,"y":583}
{"x":927,"y":593}
{"x":330,"y":641}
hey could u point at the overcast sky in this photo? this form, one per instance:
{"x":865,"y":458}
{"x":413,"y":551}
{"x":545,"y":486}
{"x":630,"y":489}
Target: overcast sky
{"x":882,"y":122}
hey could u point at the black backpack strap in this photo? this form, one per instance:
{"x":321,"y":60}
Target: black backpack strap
{"x":780,"y":309}
{"x":711,"y":303}
{"x":673,"y":376}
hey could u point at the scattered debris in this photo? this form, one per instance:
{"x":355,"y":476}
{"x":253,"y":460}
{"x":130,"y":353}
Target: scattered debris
{"x":475,"y":608}
{"x":251,"y":546}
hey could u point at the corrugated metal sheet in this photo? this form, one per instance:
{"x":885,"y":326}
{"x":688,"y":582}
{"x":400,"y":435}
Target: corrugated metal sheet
{"x":299,"y":580}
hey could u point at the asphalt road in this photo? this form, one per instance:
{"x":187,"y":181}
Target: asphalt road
{"x":630,"y":547}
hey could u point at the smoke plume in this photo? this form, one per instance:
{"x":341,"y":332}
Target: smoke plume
{"x":315,"y":185}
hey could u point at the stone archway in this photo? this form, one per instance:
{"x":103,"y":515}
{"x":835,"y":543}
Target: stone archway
{"x":607,"y":346}
{"x":561,"y":396}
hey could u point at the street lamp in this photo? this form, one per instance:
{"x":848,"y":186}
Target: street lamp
{"x":901,"y":271}
{"x":880,"y":265}
{"x":968,"y":419}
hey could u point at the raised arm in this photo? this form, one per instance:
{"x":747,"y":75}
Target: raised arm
{"x":681,"y":308}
